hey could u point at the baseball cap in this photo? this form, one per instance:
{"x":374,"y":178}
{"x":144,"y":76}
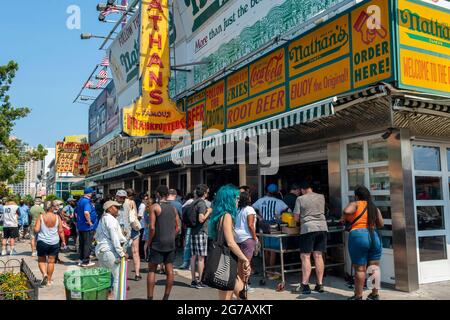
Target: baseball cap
{"x":121,"y":193}
{"x":88,"y":190}
{"x":272,"y":188}
{"x":70,"y":199}
{"x":109,"y":204}
{"x":58,"y":202}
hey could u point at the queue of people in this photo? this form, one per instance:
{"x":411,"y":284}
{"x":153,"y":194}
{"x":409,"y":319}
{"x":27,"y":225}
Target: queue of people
{"x":153,"y":227}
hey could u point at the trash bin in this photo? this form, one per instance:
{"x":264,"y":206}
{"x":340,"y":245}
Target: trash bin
{"x":87,"y":284}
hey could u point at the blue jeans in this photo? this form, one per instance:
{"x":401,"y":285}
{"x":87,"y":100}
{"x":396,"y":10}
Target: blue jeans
{"x":187,"y":247}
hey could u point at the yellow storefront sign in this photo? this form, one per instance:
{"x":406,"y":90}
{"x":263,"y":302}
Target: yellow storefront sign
{"x":237,"y":86}
{"x":154,"y":113}
{"x":322,"y":83}
{"x":319,"y":47}
{"x":215,"y":106}
{"x":267,"y":72}
{"x":371,"y":43}
{"x":256,"y":108}
{"x":424,"y":55}
{"x":422,"y":70}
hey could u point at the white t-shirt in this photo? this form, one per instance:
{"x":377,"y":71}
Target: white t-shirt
{"x":241,"y":229}
{"x":270,"y":208}
{"x":141,"y":212}
{"x":10,"y":217}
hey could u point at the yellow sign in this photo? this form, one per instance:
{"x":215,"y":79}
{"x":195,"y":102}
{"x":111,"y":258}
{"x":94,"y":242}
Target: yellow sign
{"x":215,"y":106}
{"x":237,"y":86}
{"x":267,"y":72}
{"x":80,"y":138}
{"x":77,"y":192}
{"x":72,"y":157}
{"x":154,"y":113}
{"x":256,"y":108}
{"x":371,"y":43}
{"x":195,"y":113}
{"x":319,"y":47}
{"x":322,"y":83}
{"x":424,"y":34}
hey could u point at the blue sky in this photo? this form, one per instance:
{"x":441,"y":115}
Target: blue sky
{"x":53,"y":65}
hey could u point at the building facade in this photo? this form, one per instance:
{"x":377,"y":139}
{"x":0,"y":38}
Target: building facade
{"x":347,"y":104}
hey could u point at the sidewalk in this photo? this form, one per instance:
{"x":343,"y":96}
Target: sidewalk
{"x":336,"y":288}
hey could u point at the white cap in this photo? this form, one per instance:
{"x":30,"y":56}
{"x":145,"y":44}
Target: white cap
{"x":121,"y":193}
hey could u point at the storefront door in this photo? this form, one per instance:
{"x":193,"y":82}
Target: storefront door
{"x":431,"y":163}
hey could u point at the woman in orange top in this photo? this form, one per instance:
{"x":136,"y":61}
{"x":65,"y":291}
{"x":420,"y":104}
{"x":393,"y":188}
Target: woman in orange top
{"x":364,"y":244}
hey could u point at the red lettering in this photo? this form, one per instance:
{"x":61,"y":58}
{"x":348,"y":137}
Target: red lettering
{"x":269,"y":72}
{"x":158,"y":79}
{"x":156,"y":96}
{"x":155,"y":19}
{"x":158,"y":41}
{"x":155,"y":4}
{"x":155,"y":59}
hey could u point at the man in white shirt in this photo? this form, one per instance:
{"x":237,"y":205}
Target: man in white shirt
{"x":10,"y":226}
{"x":270,"y":209}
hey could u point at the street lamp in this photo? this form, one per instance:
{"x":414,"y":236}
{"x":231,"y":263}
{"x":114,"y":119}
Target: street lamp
{"x":86,"y":36}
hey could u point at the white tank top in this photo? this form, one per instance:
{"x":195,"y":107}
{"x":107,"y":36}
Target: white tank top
{"x":48,"y":235}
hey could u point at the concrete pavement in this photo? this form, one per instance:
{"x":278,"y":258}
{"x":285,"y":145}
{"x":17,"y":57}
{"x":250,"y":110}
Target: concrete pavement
{"x":336,"y":288}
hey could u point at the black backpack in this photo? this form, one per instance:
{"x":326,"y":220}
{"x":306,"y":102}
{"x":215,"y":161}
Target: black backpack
{"x":189,"y":214}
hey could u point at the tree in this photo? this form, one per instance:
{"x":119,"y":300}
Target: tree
{"x":12,"y":154}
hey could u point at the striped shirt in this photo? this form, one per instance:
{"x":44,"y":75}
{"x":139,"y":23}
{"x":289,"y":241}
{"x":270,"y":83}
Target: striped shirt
{"x":270,"y":208}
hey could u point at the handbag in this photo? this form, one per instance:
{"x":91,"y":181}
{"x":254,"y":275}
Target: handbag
{"x":221,"y":265}
{"x":134,"y":221}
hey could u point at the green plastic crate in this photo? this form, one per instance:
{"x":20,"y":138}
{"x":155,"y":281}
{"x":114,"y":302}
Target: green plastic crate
{"x":87,"y":284}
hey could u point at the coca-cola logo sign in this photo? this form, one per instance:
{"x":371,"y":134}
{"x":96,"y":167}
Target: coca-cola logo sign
{"x":267,"y":71}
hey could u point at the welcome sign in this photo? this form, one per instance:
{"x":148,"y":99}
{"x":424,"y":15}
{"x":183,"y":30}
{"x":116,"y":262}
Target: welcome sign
{"x":424,"y":46}
{"x":154,"y":113}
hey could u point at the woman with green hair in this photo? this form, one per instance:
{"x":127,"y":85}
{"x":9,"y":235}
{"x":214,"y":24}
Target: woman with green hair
{"x":223,"y":217}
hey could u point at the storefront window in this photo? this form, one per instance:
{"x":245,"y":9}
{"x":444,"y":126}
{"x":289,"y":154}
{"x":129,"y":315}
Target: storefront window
{"x":428,"y":188}
{"x":427,"y":158}
{"x":383,"y":203}
{"x":355,"y":153}
{"x":386,"y":236}
{"x":379,"y":178}
{"x":432,"y":248}
{"x":430,"y":218}
{"x":378,"y":150}
{"x":355,"y":178}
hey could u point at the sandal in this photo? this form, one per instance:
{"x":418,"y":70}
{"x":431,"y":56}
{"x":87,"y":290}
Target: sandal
{"x":137,"y":277}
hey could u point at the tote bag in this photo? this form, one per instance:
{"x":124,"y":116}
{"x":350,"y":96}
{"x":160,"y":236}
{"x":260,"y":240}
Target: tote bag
{"x":221,"y":264}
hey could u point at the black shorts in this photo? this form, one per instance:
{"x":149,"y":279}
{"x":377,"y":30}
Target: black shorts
{"x":313,"y":242}
{"x":47,"y":250}
{"x":10,"y":232}
{"x":158,"y":257}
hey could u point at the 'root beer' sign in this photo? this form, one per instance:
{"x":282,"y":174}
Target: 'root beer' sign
{"x":154,"y":113}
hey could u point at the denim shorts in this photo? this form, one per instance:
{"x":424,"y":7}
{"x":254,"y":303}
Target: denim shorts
{"x":361,"y":248}
{"x":134,"y":234}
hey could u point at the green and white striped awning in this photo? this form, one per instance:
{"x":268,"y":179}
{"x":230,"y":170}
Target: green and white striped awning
{"x":295,"y":117}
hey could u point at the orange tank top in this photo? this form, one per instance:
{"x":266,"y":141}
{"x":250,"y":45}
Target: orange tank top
{"x":362,"y":222}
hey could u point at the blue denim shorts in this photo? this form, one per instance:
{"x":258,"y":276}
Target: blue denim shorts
{"x":361,"y":248}
{"x":134,"y":234}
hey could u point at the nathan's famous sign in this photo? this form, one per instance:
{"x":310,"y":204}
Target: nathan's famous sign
{"x":424,"y":46}
{"x":154,"y":113}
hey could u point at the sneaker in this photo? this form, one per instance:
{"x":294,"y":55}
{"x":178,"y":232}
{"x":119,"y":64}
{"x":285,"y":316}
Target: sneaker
{"x":319,"y":288}
{"x":79,"y":263}
{"x":85,"y":265}
{"x":202,"y":285}
{"x":13,"y":252}
{"x":44,"y":281}
{"x":34,"y":254}
{"x":3,"y":252}
{"x":195,"y":284}
{"x":372,"y":296}
{"x":306,"y":289}
{"x":354,"y":298}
